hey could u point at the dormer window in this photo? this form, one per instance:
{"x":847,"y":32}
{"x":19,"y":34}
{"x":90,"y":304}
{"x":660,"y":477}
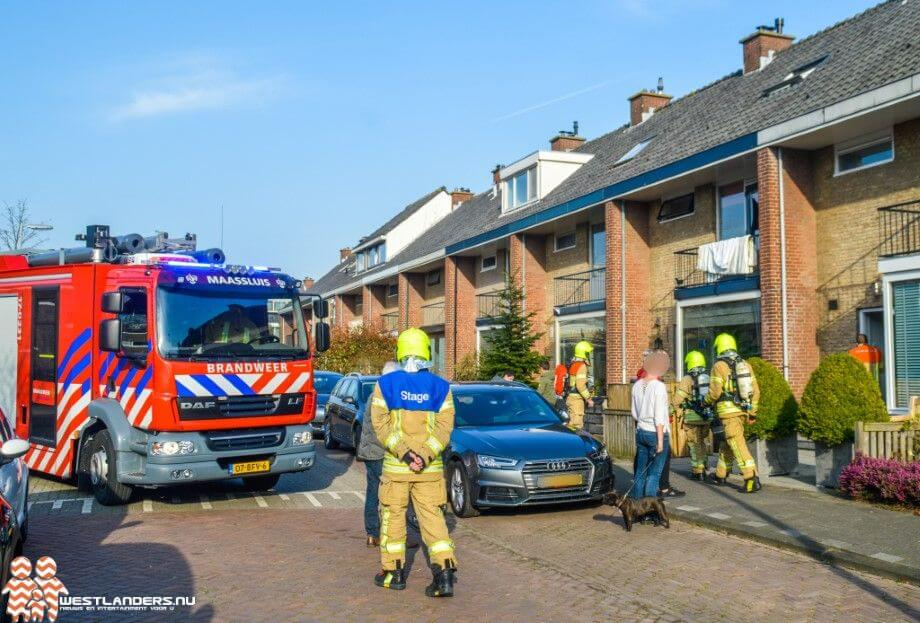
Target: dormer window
{"x":794,"y":77}
{"x":522,"y":188}
{"x":369,"y":257}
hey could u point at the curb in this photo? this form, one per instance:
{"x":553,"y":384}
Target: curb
{"x":828,"y":555}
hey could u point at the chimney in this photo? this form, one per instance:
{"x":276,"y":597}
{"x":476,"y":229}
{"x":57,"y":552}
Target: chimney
{"x":763,"y":43}
{"x":567,"y":140}
{"x":643,"y":104}
{"x":344,"y":254}
{"x":497,"y":174}
{"x":458,"y":196}
{"x":308,"y":283}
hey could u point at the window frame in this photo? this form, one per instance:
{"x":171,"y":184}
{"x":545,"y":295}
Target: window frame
{"x":669,"y":219}
{"x":482,"y":263}
{"x":429,"y":281}
{"x":530,"y":184}
{"x":863,"y":142}
{"x":392,"y":290}
{"x":556,"y":237}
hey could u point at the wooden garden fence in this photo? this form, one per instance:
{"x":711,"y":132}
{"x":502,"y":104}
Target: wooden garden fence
{"x":888,"y":440}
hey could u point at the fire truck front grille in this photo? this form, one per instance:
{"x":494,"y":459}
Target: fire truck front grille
{"x":218,"y":407}
{"x":248,"y":405}
{"x":248,"y":439}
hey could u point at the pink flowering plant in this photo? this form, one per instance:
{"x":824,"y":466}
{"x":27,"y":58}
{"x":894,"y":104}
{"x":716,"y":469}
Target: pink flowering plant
{"x":882,"y":480}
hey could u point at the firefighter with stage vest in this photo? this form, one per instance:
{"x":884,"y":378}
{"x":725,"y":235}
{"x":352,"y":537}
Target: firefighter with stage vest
{"x":576,"y":391}
{"x":734,"y":393}
{"x":412,"y":412}
{"x":689,"y":400}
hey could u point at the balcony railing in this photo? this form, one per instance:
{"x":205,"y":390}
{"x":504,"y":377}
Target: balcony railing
{"x":389,"y":321}
{"x":585,"y":287}
{"x":433,"y":314}
{"x":899,"y":229}
{"x":687,"y":273}
{"x":488,"y":305}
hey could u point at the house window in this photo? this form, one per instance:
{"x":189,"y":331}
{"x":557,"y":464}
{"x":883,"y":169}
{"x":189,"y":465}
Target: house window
{"x":433,"y":278}
{"x":906,"y":341}
{"x":864,"y":153}
{"x":738,"y":210}
{"x":565,"y":241}
{"x":489,"y":262}
{"x":675,"y":208}
{"x":372,"y":257}
{"x":634,"y":151}
{"x":521,"y":189}
{"x":359,"y":262}
{"x":392,"y":290}
{"x":571,"y":331}
{"x":598,"y":246}
{"x":700,"y":324}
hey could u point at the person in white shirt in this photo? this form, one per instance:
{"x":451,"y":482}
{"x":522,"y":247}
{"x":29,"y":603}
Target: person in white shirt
{"x":650,"y":410}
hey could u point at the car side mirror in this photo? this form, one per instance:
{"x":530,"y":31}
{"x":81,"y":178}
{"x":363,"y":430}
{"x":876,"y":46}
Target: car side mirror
{"x":564,"y":415}
{"x":113,"y":302}
{"x":320,"y":308}
{"x":13,"y":449}
{"x":110,"y":335}
{"x":321,"y":341}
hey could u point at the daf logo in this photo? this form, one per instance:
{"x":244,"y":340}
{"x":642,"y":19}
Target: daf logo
{"x":557,"y":466}
{"x":198,"y":404}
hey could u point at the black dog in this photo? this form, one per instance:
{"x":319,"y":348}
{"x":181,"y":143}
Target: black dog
{"x":634,"y":510}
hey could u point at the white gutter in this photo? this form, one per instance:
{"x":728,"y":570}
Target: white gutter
{"x":782,"y":262}
{"x":389,"y":272}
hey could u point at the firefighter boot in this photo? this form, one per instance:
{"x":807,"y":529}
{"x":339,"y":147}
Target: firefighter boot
{"x":716,"y":480}
{"x":393,"y":579}
{"x":752,"y":485}
{"x":699,"y":476}
{"x":442,"y":585}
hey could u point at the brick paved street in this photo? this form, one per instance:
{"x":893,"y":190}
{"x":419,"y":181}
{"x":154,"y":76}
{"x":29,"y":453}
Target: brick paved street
{"x":298,"y":554}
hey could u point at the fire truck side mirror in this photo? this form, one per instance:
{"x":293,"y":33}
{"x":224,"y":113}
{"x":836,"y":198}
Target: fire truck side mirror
{"x":321,"y":341}
{"x":113,"y":302}
{"x":320,"y":308}
{"x":110,"y":335}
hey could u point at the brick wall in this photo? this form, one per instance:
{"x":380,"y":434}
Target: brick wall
{"x":344,"y":309}
{"x":491,"y":280}
{"x":459,"y":280}
{"x":374,"y":298}
{"x":633,"y":231}
{"x":801,"y":263}
{"x":411,"y":289}
{"x":527,"y":262}
{"x":848,"y":204}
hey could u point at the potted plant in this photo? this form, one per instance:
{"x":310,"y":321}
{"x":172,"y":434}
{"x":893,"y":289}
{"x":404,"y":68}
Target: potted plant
{"x":839,"y":393}
{"x":772,"y":436}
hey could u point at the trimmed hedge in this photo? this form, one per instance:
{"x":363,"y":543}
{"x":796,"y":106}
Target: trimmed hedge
{"x":777,"y":414}
{"x":839,"y":393}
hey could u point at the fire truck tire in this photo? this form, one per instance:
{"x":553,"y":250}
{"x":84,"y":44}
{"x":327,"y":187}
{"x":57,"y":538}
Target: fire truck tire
{"x":261,"y":483}
{"x":103,"y":472}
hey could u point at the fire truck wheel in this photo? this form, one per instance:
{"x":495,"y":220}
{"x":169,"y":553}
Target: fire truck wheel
{"x":261,"y":483}
{"x":103,"y":472}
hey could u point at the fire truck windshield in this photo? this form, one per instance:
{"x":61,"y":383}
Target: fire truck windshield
{"x":240,"y":323}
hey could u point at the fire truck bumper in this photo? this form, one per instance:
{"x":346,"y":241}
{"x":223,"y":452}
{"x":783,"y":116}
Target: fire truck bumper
{"x":219,"y":455}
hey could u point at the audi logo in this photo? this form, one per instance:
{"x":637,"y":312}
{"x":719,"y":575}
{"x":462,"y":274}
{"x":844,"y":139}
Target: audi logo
{"x":557,"y":466}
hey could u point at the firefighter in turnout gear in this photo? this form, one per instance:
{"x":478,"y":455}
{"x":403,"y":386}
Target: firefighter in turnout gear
{"x":577,"y":394}
{"x":412,"y":412}
{"x":690,"y":401}
{"x":734,"y":392}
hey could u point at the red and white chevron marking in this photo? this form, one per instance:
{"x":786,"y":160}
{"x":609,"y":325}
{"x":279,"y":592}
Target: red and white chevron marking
{"x":259,"y":383}
{"x":71,"y":414}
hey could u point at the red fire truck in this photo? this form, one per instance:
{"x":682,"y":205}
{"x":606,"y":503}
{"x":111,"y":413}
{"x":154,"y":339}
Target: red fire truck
{"x":141,"y":362}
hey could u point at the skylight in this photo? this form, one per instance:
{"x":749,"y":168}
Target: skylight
{"x":795,"y":76}
{"x":634,"y":151}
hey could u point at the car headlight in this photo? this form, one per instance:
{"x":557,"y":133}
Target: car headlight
{"x":495,"y":462}
{"x":172,"y":448}
{"x":600,"y":454}
{"x":302,"y":438}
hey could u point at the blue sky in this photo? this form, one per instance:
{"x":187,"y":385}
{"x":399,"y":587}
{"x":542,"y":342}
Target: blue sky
{"x":312,"y":123}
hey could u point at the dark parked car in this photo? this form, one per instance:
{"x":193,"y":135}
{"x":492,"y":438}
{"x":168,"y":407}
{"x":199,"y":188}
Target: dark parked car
{"x":510,"y":447}
{"x":323,"y":382}
{"x":345,"y":410}
{"x":14,"y":500}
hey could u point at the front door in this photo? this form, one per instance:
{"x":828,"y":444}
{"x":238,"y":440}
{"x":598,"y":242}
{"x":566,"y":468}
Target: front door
{"x":872,"y":324}
{"x":43,"y":382}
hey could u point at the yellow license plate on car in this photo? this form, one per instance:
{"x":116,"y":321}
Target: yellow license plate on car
{"x":562,"y":480}
{"x":252,"y":467}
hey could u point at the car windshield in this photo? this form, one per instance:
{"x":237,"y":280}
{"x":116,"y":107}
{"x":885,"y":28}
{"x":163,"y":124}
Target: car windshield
{"x":324,"y":382}
{"x":229,"y":324}
{"x":495,"y":406}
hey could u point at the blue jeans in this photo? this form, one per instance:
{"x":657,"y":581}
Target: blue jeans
{"x":372,"y":498}
{"x":648,"y":464}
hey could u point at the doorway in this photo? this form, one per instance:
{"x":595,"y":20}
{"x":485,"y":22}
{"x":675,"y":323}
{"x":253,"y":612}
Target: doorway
{"x":872,"y":325}
{"x":43,"y":390}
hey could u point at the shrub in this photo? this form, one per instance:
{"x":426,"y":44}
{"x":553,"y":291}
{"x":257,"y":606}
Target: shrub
{"x":839,"y":393}
{"x":359,"y":349}
{"x":882,"y":480}
{"x":467,"y":369}
{"x":777,"y":414}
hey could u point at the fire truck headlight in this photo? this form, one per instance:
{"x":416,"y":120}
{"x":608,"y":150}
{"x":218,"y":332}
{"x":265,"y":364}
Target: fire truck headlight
{"x":171,"y":448}
{"x":302,"y":438}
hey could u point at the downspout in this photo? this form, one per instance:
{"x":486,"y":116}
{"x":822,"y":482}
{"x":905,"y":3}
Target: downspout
{"x":782,"y":259}
{"x":623,"y":372}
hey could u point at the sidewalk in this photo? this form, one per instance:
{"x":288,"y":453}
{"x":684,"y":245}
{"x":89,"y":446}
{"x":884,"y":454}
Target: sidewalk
{"x":831,"y":529}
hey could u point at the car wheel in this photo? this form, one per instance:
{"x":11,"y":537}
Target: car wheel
{"x":261,"y":483}
{"x":103,"y":472}
{"x":356,"y":436}
{"x":328,"y":442}
{"x":459,"y":491}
